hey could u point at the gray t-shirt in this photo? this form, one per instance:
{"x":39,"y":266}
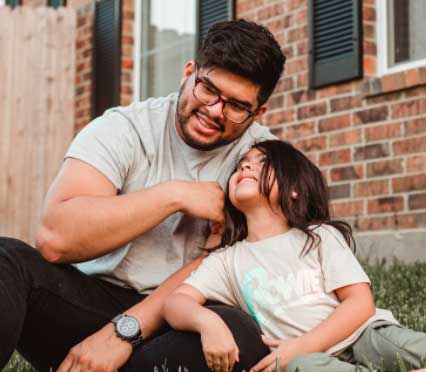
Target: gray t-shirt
{"x":137,"y":147}
{"x":288,"y":295}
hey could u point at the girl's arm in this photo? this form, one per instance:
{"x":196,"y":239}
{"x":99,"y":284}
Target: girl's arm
{"x":183,"y":310}
{"x":356,"y":307}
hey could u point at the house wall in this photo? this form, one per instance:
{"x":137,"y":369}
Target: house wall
{"x":368,"y":136}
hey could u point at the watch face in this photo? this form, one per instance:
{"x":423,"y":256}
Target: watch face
{"x":128,"y":327}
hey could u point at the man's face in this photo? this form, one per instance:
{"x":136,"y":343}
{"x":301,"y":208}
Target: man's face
{"x":205,"y":127}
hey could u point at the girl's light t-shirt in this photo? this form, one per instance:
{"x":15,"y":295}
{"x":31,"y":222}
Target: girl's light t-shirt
{"x":286,"y":293}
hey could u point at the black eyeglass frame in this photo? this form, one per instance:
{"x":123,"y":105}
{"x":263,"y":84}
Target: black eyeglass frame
{"x":220,"y":98}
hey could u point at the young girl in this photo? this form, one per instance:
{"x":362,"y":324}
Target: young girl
{"x":289,"y":265}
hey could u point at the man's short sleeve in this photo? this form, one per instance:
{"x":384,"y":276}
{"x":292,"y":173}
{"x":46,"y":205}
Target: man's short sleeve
{"x":211,"y":278}
{"x":108,"y":144}
{"x":339,"y":265}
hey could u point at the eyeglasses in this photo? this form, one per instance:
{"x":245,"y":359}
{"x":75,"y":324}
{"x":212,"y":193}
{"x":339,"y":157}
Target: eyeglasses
{"x":208,"y":96}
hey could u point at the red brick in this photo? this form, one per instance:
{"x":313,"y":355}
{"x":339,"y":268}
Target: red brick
{"x":369,"y":14}
{"x":302,"y":80}
{"x":349,"y":137}
{"x":416,"y":76}
{"x":311,"y":110}
{"x":335,"y":157}
{"x":333,"y":90}
{"x":339,"y":191}
{"x":415,"y":126}
{"x":312,"y":144}
{"x":417,"y":201}
{"x":284,"y":85}
{"x":384,"y":168}
{"x":416,"y":92}
{"x":376,"y":223}
{"x":388,"y":204}
{"x":296,"y":66}
{"x":371,"y":188}
{"x":302,"y":48}
{"x":280,"y":117}
{"x":347,"y":209}
{"x":385,"y":98}
{"x":276,"y":102}
{"x":301,"y":96}
{"x":369,"y":65}
{"x":369,"y":47}
{"x":409,"y":108}
{"x":369,"y":32}
{"x":416,"y":163}
{"x":300,"y":130}
{"x":345,"y":103}
{"x":409,"y":183}
{"x":346,"y":173}
{"x":380,"y":132}
{"x":411,"y":145}
{"x":371,"y":115}
{"x":297,"y":34}
{"x":409,"y":221}
{"x":377,"y":150}
{"x":126,"y":64}
{"x":393,"y":82}
{"x":334,"y":123}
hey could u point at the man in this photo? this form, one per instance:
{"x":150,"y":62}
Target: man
{"x":131,"y":204}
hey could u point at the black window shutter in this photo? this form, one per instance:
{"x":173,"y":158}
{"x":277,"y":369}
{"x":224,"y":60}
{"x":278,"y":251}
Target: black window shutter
{"x":56,"y":3}
{"x":13,"y":3}
{"x":211,"y":12}
{"x":335,"y":41}
{"x":107,"y":55}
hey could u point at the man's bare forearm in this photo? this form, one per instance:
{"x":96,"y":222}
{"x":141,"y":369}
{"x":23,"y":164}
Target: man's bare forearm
{"x":86,"y":227}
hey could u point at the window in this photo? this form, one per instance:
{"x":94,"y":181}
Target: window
{"x":167,"y":35}
{"x":168,"y":42}
{"x":401,"y":30}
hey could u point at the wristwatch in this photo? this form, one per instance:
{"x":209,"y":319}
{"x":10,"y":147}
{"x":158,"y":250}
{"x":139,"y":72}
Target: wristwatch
{"x":128,"y":329}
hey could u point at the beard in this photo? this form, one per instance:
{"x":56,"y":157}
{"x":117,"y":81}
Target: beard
{"x":182,"y":120}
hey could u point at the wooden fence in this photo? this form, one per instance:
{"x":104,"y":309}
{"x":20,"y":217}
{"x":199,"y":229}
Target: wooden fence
{"x":37,"y":71}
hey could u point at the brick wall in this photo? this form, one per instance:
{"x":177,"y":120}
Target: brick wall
{"x":84,"y":51}
{"x":368,"y":136}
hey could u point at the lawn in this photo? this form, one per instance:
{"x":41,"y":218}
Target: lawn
{"x":396,"y":286}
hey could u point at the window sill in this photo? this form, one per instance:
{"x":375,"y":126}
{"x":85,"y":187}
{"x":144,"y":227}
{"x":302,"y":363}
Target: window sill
{"x":394,"y":82}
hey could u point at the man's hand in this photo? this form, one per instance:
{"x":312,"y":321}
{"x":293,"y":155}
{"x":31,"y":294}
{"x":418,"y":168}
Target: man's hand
{"x":101,"y":352}
{"x":219,"y":347}
{"x":285,"y":351}
{"x":201,"y":199}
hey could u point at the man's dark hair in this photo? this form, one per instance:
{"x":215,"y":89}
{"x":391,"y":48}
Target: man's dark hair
{"x":246,"y":49}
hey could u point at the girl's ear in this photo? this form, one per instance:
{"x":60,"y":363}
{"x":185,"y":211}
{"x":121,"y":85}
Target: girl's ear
{"x":294,"y":195}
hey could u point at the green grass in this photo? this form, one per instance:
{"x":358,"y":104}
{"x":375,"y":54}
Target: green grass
{"x":396,"y":286}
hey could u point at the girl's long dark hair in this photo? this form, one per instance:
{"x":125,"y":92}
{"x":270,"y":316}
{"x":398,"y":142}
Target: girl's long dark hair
{"x":293,"y":171}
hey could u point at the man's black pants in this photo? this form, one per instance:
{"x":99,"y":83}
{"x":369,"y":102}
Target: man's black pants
{"x":45,"y":309}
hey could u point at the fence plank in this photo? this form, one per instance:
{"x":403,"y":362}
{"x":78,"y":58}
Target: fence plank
{"x":37,"y":66}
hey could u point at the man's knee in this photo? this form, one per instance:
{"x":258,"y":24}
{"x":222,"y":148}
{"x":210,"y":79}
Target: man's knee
{"x":236,"y":319}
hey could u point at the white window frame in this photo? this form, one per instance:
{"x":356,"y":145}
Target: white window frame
{"x":137,"y":49}
{"x":382,"y":44}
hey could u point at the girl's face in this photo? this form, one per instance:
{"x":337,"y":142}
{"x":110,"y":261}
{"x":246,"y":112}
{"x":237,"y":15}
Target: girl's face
{"x":244,"y":184}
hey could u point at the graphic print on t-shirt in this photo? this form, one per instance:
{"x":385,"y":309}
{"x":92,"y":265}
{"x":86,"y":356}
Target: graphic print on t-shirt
{"x":268,"y":295}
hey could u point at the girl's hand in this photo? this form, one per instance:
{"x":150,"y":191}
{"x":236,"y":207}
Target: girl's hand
{"x":285,"y":351}
{"x":219,"y":347}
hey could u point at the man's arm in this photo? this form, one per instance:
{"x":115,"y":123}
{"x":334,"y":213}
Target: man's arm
{"x":84,"y":218}
{"x":104,"y":351}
